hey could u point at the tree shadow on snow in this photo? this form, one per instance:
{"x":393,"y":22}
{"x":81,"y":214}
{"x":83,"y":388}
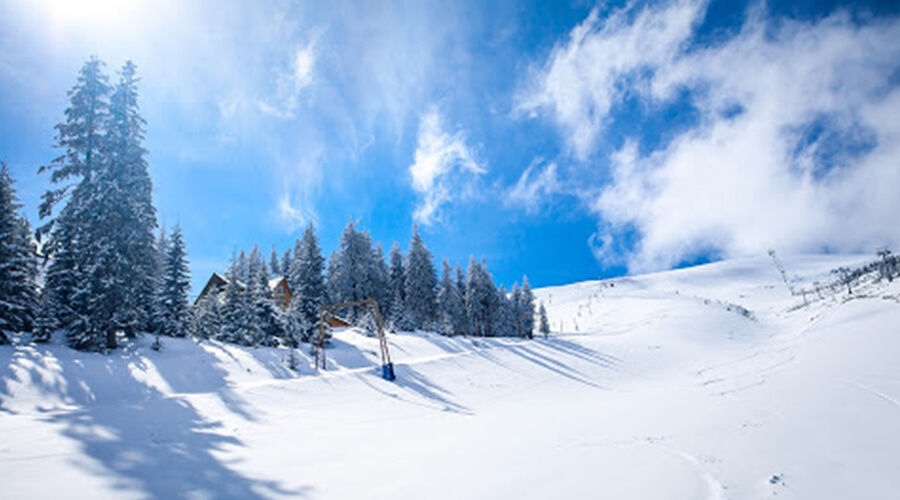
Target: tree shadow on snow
{"x":340,"y":354}
{"x":411,"y":381}
{"x":529,"y":354}
{"x":163,"y":448}
{"x":192,"y":369}
{"x":581,"y":352}
{"x":133,"y":434}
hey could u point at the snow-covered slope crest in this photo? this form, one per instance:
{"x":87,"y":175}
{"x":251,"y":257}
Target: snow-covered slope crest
{"x":708,"y":382}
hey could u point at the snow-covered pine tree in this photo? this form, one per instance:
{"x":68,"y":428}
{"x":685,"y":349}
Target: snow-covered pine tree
{"x":472,"y":297}
{"x":18,"y":263}
{"x":45,"y":319}
{"x":59,"y":282}
{"x":267,"y":322}
{"x":101,"y":243}
{"x":451,"y":307}
{"x":286,"y":260}
{"x":504,"y":316}
{"x":397,"y":284}
{"x":130,"y":196}
{"x":381,"y":281}
{"x":462,"y":320}
{"x":76,"y":243}
{"x":158,"y":318}
{"x":241,"y":269}
{"x":527,"y":309}
{"x":481,"y":299}
{"x":349,"y":269}
{"x":516,"y":303}
{"x":295,"y":327}
{"x":176,"y":314}
{"x":420,"y":309}
{"x":544,"y":326}
{"x":207,"y":317}
{"x":307,"y":281}
{"x":238,"y":324}
{"x":446,"y":290}
{"x":275,"y":264}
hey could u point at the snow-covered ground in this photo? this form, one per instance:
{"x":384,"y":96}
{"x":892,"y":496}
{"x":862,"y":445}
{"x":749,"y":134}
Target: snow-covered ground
{"x":654,"y":386}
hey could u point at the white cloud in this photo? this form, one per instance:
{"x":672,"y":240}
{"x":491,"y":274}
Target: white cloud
{"x":797,"y":147}
{"x":581,"y":80}
{"x":290,"y":83}
{"x":533,"y":187}
{"x":300,"y":184}
{"x":303,"y":65}
{"x":443,"y":162}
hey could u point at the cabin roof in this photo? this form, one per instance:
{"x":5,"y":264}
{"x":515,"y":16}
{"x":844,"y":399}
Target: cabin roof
{"x":217,"y":282}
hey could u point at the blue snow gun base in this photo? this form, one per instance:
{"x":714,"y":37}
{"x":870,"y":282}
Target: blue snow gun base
{"x":387,"y":372}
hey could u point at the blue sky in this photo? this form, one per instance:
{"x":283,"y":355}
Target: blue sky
{"x":568,"y":141}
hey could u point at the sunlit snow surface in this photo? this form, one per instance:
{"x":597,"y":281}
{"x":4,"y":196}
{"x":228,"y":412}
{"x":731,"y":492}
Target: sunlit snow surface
{"x":649,"y":387}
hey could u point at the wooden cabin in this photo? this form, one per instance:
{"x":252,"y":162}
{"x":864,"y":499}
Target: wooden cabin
{"x":217,"y":283}
{"x":215,"y":286}
{"x":281,"y":291}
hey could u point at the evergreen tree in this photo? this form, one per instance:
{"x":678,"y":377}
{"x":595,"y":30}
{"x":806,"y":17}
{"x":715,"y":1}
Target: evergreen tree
{"x":397,"y":284}
{"x":18,"y":263}
{"x":446,"y":288}
{"x":101,"y":273}
{"x":286,"y":260}
{"x":162,"y":247}
{"x":380,"y":278}
{"x":517,"y":305}
{"x":527,"y":309}
{"x":461,"y":284}
{"x":462,"y":324}
{"x":275,"y":264}
{"x":308,"y":287}
{"x":45,"y":318}
{"x":350,"y":269}
{"x":481,"y":299}
{"x":452,"y":314}
{"x":130,"y":196}
{"x":420,"y":309}
{"x":504,"y":316}
{"x":176,"y":313}
{"x":238,"y":324}
{"x":544,"y":326}
{"x":266,"y":320}
{"x":207,"y":318}
{"x":76,"y":245}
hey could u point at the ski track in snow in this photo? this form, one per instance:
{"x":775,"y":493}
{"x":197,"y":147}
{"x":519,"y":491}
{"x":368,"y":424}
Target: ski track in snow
{"x":715,"y":488}
{"x":879,"y":394}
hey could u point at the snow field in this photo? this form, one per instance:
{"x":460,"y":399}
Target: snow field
{"x":665,"y":390}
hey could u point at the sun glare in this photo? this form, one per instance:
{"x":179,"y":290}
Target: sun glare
{"x":90,"y":17}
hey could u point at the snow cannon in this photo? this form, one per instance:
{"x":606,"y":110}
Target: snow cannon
{"x":387,"y":372}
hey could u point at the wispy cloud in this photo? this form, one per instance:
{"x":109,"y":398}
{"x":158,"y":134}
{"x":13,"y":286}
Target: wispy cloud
{"x":300,"y":184}
{"x":443,"y":163}
{"x":534,"y":187}
{"x":583,"y":78}
{"x":291,"y":80}
{"x":796,"y":145}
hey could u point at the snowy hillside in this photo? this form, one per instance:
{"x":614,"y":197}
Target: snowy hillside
{"x":708,"y":382}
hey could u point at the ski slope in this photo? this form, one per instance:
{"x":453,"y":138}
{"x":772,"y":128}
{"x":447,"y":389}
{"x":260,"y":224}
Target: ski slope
{"x":709,"y":382}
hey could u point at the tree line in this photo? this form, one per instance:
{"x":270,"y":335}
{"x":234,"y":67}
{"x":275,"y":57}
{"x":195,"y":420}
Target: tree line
{"x":406,"y":287}
{"x":100,"y":267}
